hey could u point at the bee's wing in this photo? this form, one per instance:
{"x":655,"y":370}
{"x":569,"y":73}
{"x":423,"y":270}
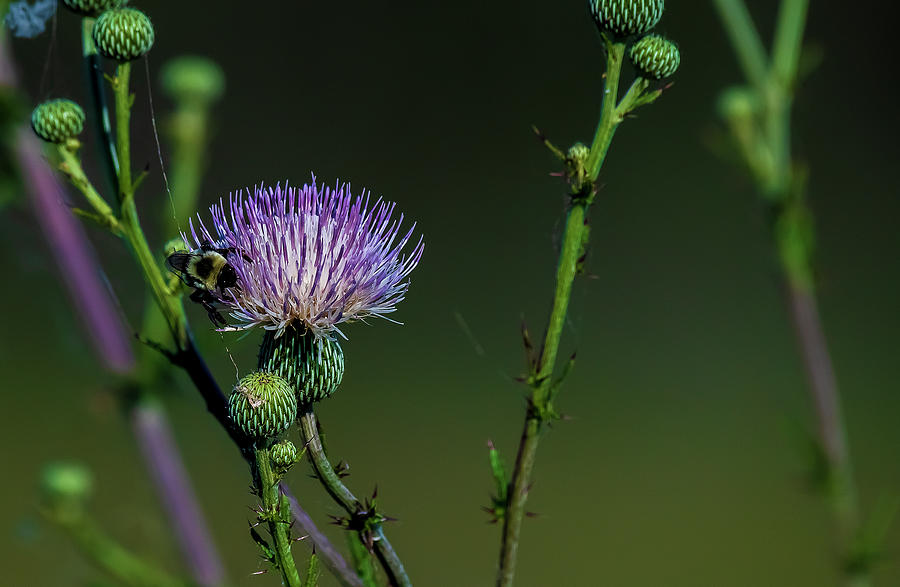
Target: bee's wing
{"x":179,"y":261}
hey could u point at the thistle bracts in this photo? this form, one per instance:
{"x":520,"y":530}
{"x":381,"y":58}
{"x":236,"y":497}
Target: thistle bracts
{"x":313,"y":366}
{"x":655,"y":57}
{"x":283,"y":454}
{"x":123,"y":34}
{"x":262,"y":406}
{"x":626,"y":17}
{"x":91,"y":7}
{"x":57,"y":121}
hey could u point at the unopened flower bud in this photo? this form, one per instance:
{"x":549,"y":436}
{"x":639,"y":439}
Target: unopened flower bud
{"x":90,"y":7}
{"x":284,"y":455}
{"x":57,"y":121}
{"x":655,"y":57}
{"x":66,"y":488}
{"x":123,"y":34}
{"x":193,"y":79}
{"x":313,"y":366}
{"x":626,"y":17}
{"x":262,"y":406}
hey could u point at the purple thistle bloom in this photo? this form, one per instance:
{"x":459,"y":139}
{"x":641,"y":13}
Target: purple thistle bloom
{"x":310,"y":257}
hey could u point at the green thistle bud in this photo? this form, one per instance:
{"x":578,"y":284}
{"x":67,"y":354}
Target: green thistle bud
{"x":314,"y":367}
{"x":262,"y":405}
{"x":738,"y":103}
{"x":123,"y":34}
{"x":193,"y":79}
{"x":626,"y":17}
{"x":91,"y":7}
{"x":65,"y":488}
{"x":57,"y":121}
{"x":284,"y":455}
{"x":655,"y":57}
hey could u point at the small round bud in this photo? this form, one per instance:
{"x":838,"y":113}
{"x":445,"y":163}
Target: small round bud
{"x":193,"y":79}
{"x":655,"y":57}
{"x":626,"y":17}
{"x":90,"y":7}
{"x":738,"y":102}
{"x":284,"y":455}
{"x":66,"y":488}
{"x":578,"y":153}
{"x":262,"y":405}
{"x":57,"y":121}
{"x":313,"y":366}
{"x":123,"y":34}
{"x":67,"y":481}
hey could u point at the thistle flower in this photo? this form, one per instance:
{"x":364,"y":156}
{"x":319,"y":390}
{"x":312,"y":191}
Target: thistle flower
{"x":310,"y":258}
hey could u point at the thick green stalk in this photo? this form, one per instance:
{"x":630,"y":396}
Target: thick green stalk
{"x":277,"y":513}
{"x":384,"y":551}
{"x":541,"y":408}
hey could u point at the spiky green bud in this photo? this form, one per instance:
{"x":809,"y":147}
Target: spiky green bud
{"x":262,"y":406}
{"x":57,"y":121}
{"x":193,"y":79}
{"x":123,"y":34}
{"x":655,"y":57}
{"x":626,"y":17}
{"x":313,"y":366}
{"x":284,"y":455}
{"x":90,"y":7}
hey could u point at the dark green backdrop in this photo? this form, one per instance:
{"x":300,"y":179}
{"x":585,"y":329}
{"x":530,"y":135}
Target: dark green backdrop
{"x":678,"y":466}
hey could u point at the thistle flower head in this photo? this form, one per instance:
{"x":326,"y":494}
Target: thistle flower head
{"x":311,"y":257}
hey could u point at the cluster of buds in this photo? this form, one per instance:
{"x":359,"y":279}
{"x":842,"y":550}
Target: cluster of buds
{"x":653,"y":56}
{"x":122,"y":34}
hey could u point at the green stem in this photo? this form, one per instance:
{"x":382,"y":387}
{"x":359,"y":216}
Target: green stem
{"x":110,"y":556}
{"x":540,"y":409}
{"x":609,"y":121}
{"x":123,"y":130}
{"x":783,"y":183}
{"x":277,"y":513}
{"x":94,"y":73}
{"x":384,"y":551}
{"x":745,"y":40}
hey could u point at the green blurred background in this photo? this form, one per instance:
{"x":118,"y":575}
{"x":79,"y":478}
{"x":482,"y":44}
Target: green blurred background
{"x":679,"y":466}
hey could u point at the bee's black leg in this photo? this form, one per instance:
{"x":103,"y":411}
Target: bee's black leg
{"x":205,"y":299}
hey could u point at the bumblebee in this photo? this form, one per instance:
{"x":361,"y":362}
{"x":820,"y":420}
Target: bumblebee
{"x":208,"y":271}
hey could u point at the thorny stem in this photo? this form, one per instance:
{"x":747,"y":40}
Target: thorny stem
{"x":277,"y":513}
{"x":384,"y":551}
{"x":783,"y":184}
{"x":541,"y":409}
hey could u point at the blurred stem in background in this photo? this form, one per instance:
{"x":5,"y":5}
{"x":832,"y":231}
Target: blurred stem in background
{"x":758,"y":118}
{"x":66,"y":488}
{"x":617,"y":22}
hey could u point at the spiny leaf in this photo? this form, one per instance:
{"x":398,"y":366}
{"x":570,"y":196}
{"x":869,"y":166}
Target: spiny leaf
{"x":312,"y":571}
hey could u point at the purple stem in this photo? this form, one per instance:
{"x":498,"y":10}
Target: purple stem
{"x":331,"y":557}
{"x":74,"y":257}
{"x":824,"y":391}
{"x":154,"y":435}
{"x":820,"y":372}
